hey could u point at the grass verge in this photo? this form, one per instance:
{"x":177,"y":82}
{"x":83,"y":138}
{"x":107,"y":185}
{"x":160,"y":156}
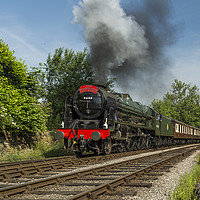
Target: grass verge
{"x":40,"y":150}
{"x":185,"y":189}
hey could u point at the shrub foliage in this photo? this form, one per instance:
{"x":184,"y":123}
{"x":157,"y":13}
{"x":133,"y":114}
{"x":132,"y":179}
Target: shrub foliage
{"x":20,"y":110}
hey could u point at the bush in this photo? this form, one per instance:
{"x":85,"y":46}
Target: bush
{"x":185,"y":189}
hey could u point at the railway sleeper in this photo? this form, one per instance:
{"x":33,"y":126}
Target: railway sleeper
{"x":121,"y":193}
{"x":39,"y":192}
{"x":154,"y":174}
{"x":81,"y":184}
{"x":147,"y":178}
{"x":148,"y":185}
{"x":97,"y":179}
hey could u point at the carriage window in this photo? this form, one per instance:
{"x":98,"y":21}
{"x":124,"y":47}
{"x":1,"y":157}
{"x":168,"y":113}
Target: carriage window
{"x":177,"y":128}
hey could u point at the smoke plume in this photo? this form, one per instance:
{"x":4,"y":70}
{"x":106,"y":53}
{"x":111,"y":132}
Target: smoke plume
{"x":128,"y":43}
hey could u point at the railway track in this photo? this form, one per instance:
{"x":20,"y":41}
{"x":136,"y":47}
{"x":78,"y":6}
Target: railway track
{"x":14,"y":170}
{"x":99,"y":181}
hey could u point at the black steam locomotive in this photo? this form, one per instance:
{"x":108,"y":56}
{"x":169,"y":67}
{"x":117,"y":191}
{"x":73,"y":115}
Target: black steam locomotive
{"x":102,"y":122}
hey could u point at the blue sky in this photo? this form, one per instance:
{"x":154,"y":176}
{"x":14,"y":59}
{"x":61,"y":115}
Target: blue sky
{"x":34,"y":28}
{"x":185,"y":53}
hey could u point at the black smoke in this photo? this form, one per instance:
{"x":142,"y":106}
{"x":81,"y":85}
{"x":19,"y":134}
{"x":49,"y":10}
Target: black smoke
{"x":129,"y":43}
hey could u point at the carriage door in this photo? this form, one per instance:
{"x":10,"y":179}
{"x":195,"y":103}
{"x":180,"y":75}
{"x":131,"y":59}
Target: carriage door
{"x":158,"y":123}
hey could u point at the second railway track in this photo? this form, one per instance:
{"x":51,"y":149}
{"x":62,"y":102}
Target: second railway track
{"x":99,"y":181}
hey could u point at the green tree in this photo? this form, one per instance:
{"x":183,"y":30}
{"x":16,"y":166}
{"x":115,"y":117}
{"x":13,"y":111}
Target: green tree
{"x":20,"y":111}
{"x":181,"y":103}
{"x":65,"y":72}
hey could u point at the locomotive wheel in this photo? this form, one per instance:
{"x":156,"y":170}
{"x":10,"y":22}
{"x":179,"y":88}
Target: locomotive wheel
{"x":131,"y":145}
{"x":107,"y":147}
{"x":119,"y":149}
{"x":97,"y":151}
{"x":141,"y":143}
{"x":148,"y":143}
{"x":164,"y":142}
{"x":158,"y":142}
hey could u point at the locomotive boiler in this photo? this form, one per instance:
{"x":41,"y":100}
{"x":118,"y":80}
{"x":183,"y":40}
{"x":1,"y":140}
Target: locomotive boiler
{"x":103,"y":122}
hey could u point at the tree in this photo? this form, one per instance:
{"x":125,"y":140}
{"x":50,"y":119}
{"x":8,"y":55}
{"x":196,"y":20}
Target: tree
{"x":20,"y":111}
{"x":65,"y":72}
{"x":181,"y":103}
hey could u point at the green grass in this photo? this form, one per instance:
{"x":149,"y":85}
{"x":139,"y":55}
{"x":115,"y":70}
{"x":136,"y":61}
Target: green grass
{"x":185,"y":189}
{"x":40,"y":150}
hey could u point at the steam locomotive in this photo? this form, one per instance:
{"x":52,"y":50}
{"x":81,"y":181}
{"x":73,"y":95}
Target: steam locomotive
{"x":103,"y":122}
